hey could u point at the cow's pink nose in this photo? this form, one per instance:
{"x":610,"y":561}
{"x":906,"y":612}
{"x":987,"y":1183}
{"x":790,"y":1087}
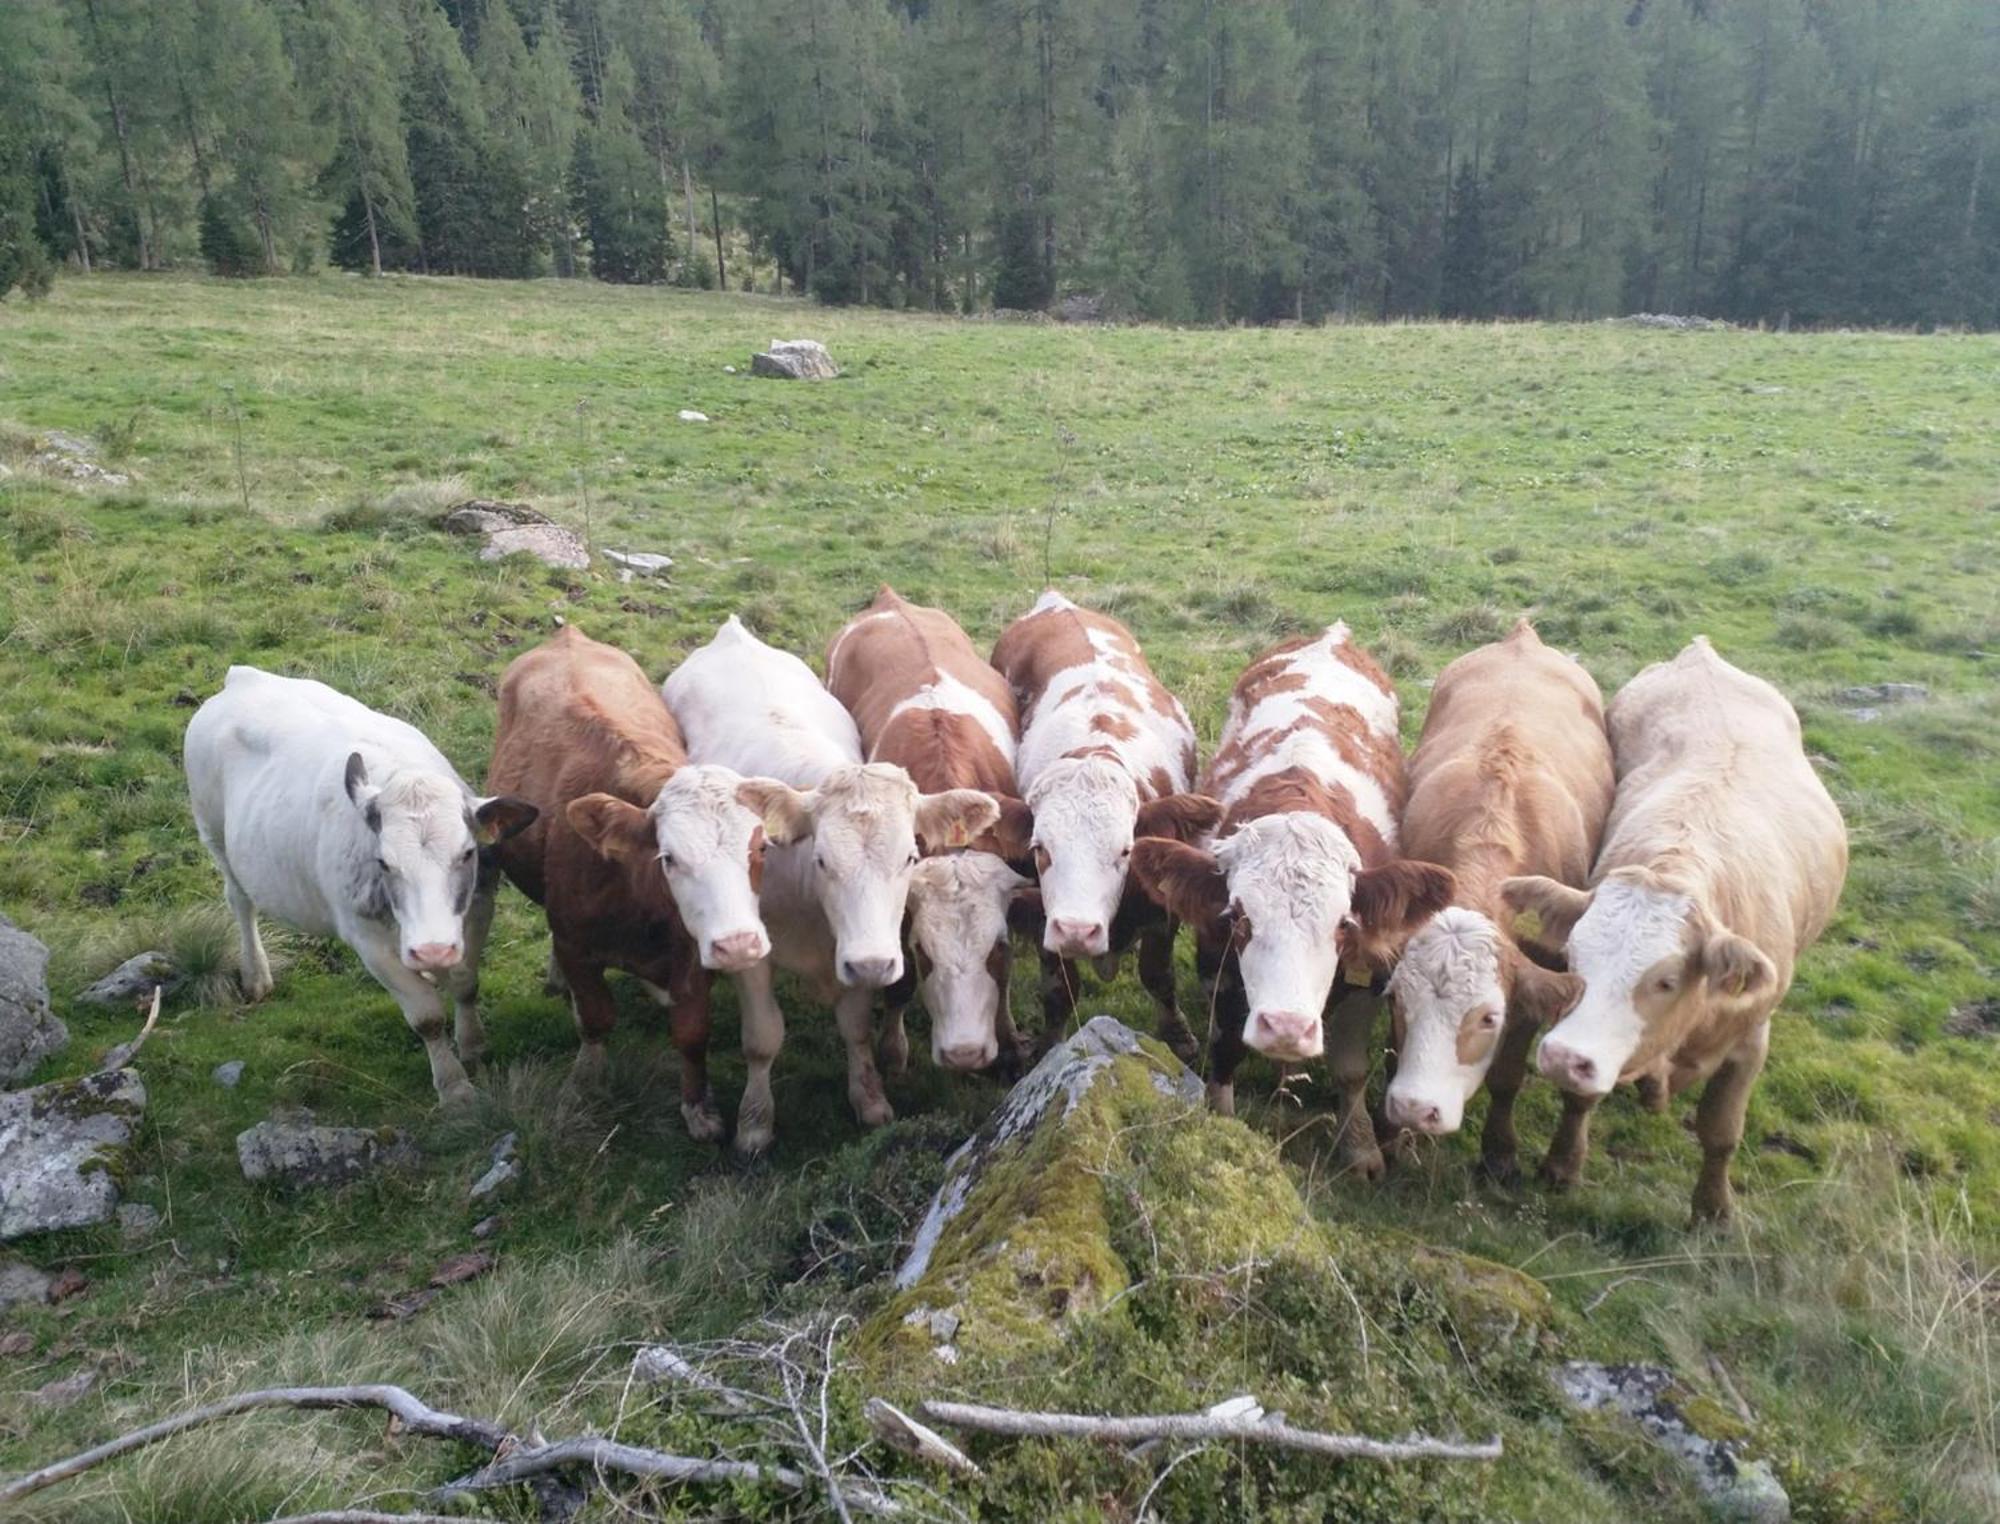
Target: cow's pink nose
{"x":870,"y":973}
{"x":1568,"y":1068}
{"x":737,"y":951}
{"x":971,"y":1055}
{"x":1077,"y":939}
{"x":1415,"y":1113}
{"x":433,"y":955}
{"x":1285,"y":1034}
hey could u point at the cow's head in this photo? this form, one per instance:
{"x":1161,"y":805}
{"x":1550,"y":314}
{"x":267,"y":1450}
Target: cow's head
{"x":705,"y":839}
{"x":864,"y":825}
{"x":1655,"y":966}
{"x":960,"y":906}
{"x":1288,"y":894}
{"x":427,"y":836}
{"x":1457,"y":984}
{"x":1087,"y":815}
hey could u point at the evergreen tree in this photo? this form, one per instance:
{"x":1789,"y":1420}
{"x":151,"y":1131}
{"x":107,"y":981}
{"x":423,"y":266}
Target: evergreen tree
{"x":351,"y":57}
{"x":620,"y":199}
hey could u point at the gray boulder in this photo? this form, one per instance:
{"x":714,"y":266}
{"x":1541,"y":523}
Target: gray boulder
{"x":137,"y":1221}
{"x":1884,"y":693}
{"x":795,"y":360}
{"x":29,"y":1032}
{"x":133,"y":981}
{"x":1081,"y":307}
{"x":61,"y":1148}
{"x":1742,"y":1491}
{"x":550,"y":544}
{"x":304,"y":1153}
{"x":228,"y":1075}
{"x":483,"y":515}
{"x":22,"y":1282}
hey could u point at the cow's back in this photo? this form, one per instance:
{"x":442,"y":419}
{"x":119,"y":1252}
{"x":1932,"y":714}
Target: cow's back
{"x":1714,"y":783}
{"x":746,"y":705}
{"x":1514,"y":759}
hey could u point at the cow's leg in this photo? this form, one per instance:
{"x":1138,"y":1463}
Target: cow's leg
{"x":1350,"y":1031}
{"x":1654,"y":1091}
{"x":1718,"y":1123}
{"x":1571,"y":1144}
{"x":686,"y":1003}
{"x":467,"y":1030}
{"x":1156,"y":973}
{"x":854,"y":1011}
{"x":423,"y":1009}
{"x":892,"y":1048}
{"x":763,"y":1035}
{"x":553,"y":982}
{"x":1059,"y":990}
{"x":1499,"y":1145}
{"x":1228,"y":1010}
{"x":1008,"y":1062}
{"x":590,"y":1002}
{"x":255,"y":970}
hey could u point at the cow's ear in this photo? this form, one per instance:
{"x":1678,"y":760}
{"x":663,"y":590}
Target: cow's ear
{"x":1542,"y":997}
{"x":953,"y":818}
{"x":1390,"y":901}
{"x":1545,"y":912}
{"x":613,"y":829}
{"x":1735,"y":967}
{"x":361,"y":792}
{"x":503,"y":816}
{"x":1014,"y":832}
{"x":1184,"y":881}
{"x":930,"y":873}
{"x":786,"y":812}
{"x":1024,"y":914}
{"x":1178,"y":817}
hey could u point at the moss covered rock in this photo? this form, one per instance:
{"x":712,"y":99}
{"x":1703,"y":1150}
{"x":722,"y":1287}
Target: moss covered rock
{"x":62,"y":1150}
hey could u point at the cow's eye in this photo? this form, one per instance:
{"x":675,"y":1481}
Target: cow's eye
{"x":468,"y":854}
{"x":1489,"y":1020}
{"x":819,"y":861}
{"x":912,"y":862}
{"x":1665,"y":985}
{"x":382,"y":864}
{"x":1125,"y":856}
{"x":666,"y":859}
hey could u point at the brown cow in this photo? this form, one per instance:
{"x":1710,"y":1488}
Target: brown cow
{"x":1723,"y":860}
{"x":924,"y":699}
{"x":642,"y":861}
{"x":1106,"y":756}
{"x":1303,"y":876}
{"x":1512,"y":775}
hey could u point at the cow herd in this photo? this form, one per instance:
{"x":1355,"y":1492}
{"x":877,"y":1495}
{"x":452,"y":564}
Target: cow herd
{"x":1639,"y":880}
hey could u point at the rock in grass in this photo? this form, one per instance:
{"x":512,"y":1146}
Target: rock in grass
{"x":550,"y":544}
{"x":1737,"y":1489}
{"x":795,"y":360}
{"x":22,"y":1282}
{"x":228,"y":1075}
{"x":61,"y":1148}
{"x":1884,"y":693}
{"x":138,"y":1222}
{"x":646,"y":563}
{"x":29,"y":1032}
{"x":133,"y":981}
{"x":308,"y":1154}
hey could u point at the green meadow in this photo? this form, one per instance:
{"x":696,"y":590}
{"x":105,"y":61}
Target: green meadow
{"x":1825,"y":506}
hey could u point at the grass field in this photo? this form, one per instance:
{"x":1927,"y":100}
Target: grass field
{"x":1826,"y":507}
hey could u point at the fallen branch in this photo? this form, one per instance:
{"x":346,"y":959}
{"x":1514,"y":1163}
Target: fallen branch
{"x":900,"y":1431}
{"x":125,"y":1052}
{"x":416,"y":1417}
{"x":1201,"y":1426}
{"x":371,"y":1516}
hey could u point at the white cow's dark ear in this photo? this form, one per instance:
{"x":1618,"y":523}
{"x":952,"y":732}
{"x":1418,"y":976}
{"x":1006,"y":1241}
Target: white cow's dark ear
{"x":496,"y":819}
{"x":361,"y":792}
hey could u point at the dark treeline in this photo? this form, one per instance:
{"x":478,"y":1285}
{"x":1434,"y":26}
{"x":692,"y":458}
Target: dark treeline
{"x":1191,"y":160}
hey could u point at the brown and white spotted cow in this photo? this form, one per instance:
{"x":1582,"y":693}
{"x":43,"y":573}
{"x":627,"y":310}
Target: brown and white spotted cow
{"x":926,"y":700}
{"x":1511,"y":776}
{"x":1107,"y":756}
{"x":642,"y":861}
{"x":1302,"y":872}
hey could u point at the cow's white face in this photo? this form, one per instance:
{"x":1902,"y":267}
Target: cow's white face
{"x":1085,"y":812}
{"x":1631,"y":946}
{"x":1291,"y":881}
{"x":711,"y":851}
{"x":958,"y":925}
{"x":863,"y":823}
{"x":1450,"y":1008}
{"x":425,"y":863}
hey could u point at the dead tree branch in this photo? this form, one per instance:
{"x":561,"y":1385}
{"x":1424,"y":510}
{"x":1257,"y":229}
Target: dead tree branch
{"x":371,"y":1516}
{"x":1201,"y":1426}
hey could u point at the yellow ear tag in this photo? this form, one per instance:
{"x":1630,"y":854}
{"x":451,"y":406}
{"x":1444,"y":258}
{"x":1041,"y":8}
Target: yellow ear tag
{"x":1527,"y":925}
{"x":1357,"y":973}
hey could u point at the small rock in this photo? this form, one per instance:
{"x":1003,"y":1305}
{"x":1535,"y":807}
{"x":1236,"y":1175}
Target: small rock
{"x":306,"y":1154}
{"x":692,"y":415}
{"x":61,"y":1393}
{"x":1883,"y":693}
{"x":134,"y":980}
{"x":944,"y":1326}
{"x":408,"y":1305}
{"x":550,"y":544}
{"x":16,"y":1344}
{"x":22,"y":1282}
{"x":795,"y":360}
{"x":29,"y":1032}
{"x":57,"y":442}
{"x":483,"y":515}
{"x":5,"y":470}
{"x":1980,"y":1018}
{"x":137,"y":1221}
{"x":503,"y":1172}
{"x":60,"y":1147}
{"x":69,"y":1282}
{"x":486,"y":1227}
{"x":227,"y":1075}
{"x":729,"y":370}
{"x":646,"y":562}
{"x":462,"y":1267}
{"x":1866,"y":715}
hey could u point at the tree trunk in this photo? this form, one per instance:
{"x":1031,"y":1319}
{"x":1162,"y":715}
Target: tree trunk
{"x":123,"y":132}
{"x":715,"y":219}
{"x":374,"y":239}
{"x":687,"y":196}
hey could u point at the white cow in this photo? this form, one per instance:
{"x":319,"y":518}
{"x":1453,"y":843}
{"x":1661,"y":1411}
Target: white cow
{"x":343,"y":822}
{"x":833,"y":896}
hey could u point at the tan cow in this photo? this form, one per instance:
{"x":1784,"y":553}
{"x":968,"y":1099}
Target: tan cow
{"x":1106,"y":757}
{"x":642,"y":861}
{"x":1303,"y":874}
{"x":1511,"y":776}
{"x":928,"y":702}
{"x":1722,"y":861}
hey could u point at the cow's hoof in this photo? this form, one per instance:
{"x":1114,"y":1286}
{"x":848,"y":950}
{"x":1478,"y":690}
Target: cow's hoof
{"x":704,"y":1124}
{"x":1181,"y":1042}
{"x":752,"y":1139}
{"x":1558,"y":1177}
{"x":1222,"y":1100}
{"x":875,"y":1111}
{"x":1503,"y":1170}
{"x":457,"y":1097}
{"x":255,"y":990}
{"x":1364,"y":1163}
{"x":1713,"y":1204}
